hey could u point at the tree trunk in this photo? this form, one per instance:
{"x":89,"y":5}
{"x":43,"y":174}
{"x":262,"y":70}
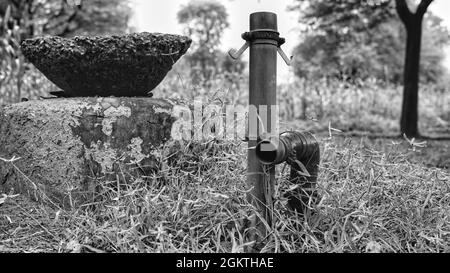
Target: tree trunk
{"x":413,"y":25}
{"x":409,"y":118}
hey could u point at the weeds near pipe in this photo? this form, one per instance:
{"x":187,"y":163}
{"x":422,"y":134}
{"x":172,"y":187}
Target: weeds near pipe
{"x":376,"y":195}
{"x":370,"y":201}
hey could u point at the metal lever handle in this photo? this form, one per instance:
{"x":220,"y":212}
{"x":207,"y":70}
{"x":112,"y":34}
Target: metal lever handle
{"x":236,"y":54}
{"x":287,"y":60}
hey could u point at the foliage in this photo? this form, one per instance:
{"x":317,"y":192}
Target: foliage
{"x":67,"y":18}
{"x":205,"y":21}
{"x":363,"y":39}
{"x":435,"y":38}
{"x":228,"y":87}
{"x":8,"y":47}
{"x":11,"y":61}
{"x":369,"y":106}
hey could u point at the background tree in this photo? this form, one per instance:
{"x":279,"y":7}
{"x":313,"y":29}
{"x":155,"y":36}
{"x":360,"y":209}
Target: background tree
{"x":66,"y":18}
{"x":354,"y":40}
{"x":205,"y":22}
{"x":413,"y":25}
{"x":337,"y":36}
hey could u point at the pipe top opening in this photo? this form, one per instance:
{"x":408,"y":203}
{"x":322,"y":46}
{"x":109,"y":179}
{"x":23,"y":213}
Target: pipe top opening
{"x":263,"y":20}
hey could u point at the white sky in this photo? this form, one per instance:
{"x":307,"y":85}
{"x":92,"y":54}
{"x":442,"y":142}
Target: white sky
{"x":161,"y":16}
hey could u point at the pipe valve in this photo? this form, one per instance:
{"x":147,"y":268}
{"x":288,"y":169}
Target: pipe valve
{"x":302,"y":152}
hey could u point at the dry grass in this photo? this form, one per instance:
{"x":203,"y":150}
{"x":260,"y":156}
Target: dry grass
{"x":369,"y":106}
{"x":33,"y":85}
{"x":372,"y":199}
{"x":378,"y":195}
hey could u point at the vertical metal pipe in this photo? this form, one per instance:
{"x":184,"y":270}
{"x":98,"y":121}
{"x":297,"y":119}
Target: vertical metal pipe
{"x":263,"y":72}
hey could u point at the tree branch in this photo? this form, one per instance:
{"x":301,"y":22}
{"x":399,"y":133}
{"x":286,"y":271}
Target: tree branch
{"x":67,"y":30}
{"x":59,"y":24}
{"x":423,"y":6}
{"x":403,"y":11}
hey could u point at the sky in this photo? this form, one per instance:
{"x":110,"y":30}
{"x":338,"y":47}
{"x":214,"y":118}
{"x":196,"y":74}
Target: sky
{"x":161,"y":16}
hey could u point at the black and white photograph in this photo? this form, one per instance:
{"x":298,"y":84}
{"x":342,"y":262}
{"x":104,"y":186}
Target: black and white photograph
{"x":222,"y":133}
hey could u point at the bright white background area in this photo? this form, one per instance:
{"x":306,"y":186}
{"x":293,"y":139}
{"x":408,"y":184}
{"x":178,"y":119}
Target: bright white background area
{"x":161,"y":16}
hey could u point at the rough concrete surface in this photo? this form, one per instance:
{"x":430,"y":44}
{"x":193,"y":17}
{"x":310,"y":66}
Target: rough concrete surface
{"x":66,"y":145}
{"x":128,"y":65}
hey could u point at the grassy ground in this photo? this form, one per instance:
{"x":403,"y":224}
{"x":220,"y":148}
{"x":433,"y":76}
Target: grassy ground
{"x":376,"y":195}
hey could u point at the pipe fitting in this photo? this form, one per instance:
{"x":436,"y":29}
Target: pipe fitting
{"x":302,"y":152}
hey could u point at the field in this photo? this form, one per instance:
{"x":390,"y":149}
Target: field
{"x":377,"y":192}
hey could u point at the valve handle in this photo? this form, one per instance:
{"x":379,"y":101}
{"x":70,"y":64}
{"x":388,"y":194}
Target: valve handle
{"x":287,"y":60}
{"x":236,"y":54}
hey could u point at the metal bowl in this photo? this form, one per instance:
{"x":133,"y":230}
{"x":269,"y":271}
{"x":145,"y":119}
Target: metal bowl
{"x":129,"y":65}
